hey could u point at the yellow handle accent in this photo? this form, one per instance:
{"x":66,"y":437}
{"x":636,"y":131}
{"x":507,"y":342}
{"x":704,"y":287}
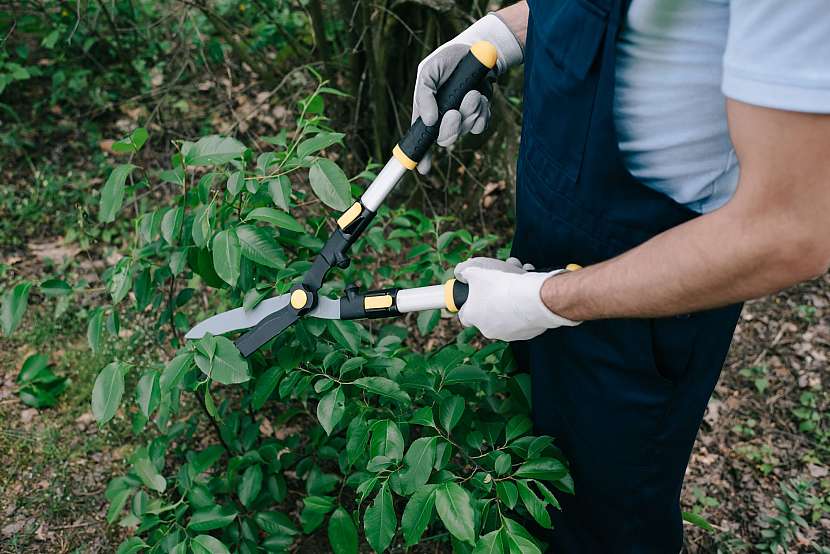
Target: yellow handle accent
{"x":378,"y":302}
{"x":403,"y":158}
{"x":573,"y":267}
{"x":298,"y":299}
{"x":448,"y":298}
{"x":349,"y":215}
{"x":486,"y":53}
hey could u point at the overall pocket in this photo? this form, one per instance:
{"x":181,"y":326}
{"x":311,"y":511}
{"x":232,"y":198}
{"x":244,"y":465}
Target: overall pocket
{"x":672,"y":343}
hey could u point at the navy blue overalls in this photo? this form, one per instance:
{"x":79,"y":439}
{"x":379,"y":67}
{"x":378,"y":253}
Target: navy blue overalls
{"x":623,"y":398}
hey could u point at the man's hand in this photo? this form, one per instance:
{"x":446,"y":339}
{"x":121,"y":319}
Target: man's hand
{"x":504,"y":301}
{"x":474,"y":112}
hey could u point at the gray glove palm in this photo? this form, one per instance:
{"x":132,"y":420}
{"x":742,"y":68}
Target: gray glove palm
{"x":474,"y":113}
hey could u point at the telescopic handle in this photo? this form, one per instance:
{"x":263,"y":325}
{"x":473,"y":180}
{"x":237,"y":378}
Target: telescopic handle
{"x":451,"y":295}
{"x":467,"y":75}
{"x":392,"y":302}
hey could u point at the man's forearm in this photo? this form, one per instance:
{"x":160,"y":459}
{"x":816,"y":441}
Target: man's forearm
{"x":515,"y":17}
{"x":771,"y":235}
{"x":714,"y":260}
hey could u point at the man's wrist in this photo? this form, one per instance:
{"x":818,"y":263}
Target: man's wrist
{"x":560,"y":293}
{"x":515,"y":18}
{"x":540,"y":312}
{"x":494,"y":29}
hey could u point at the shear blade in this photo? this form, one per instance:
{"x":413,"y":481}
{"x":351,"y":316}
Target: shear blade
{"x":240,"y":318}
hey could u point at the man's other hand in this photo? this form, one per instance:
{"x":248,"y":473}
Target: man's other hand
{"x":474,"y":113}
{"x":504,"y":301}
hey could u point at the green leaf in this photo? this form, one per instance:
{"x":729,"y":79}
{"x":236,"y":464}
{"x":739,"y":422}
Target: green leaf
{"x":15,"y":302}
{"x":213,"y":150}
{"x":32,"y":368}
{"x":200,"y":231}
{"x":171,"y":225}
{"x":419,"y":460}
{"x":227,"y":256}
{"x":265,"y":385}
{"x":547,"y":495}
{"x":215,"y":517}
{"x":698,"y":521}
{"x":491,"y":543}
{"x":275,"y":217}
{"x":147,"y":472}
{"x":450,"y":411}
{"x":259,"y":246}
{"x":507,"y":493}
{"x":417,"y":514}
{"x":517,"y":539}
{"x":250,"y":485}
{"x":131,"y":546}
{"x":380,"y":520}
{"x":314,"y":511}
{"x":279,"y":190}
{"x":331,"y":408}
{"x":117,"y":502}
{"x":502,"y":464}
{"x":453,"y":506}
{"x":107,"y":392}
{"x":535,"y":506}
{"x":227,"y":366}
{"x":275,"y":523}
{"x":427,"y":320}
{"x":206,"y":544}
{"x":121,"y":281}
{"x":55,"y":287}
{"x":546,"y":469}
{"x":465,"y":374}
{"x":383,"y":387}
{"x":342,"y":533}
{"x":174,"y":371}
{"x":317,"y":143}
{"x":148,"y":393}
{"x":139,"y":137}
{"x":386,"y":440}
{"x":516,"y":427}
{"x":95,"y":330}
{"x":423,"y":416}
{"x":346,"y":333}
{"x":235,"y":182}
{"x":357,"y":435}
{"x":330,"y":184}
{"x":112,"y":195}
{"x":205,"y":459}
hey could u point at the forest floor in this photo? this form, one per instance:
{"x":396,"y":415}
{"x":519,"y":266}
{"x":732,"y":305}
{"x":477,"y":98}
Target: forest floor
{"x":56,"y":462}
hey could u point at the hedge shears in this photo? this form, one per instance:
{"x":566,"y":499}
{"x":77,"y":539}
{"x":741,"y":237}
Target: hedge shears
{"x":272,"y":316}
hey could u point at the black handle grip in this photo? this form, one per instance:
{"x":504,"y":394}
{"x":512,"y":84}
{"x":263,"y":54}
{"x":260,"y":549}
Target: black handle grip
{"x":468,"y":75}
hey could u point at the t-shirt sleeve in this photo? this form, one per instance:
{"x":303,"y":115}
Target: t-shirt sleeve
{"x":778,"y":54}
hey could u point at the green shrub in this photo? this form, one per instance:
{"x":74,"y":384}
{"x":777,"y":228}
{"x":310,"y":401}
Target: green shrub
{"x":376,"y":440}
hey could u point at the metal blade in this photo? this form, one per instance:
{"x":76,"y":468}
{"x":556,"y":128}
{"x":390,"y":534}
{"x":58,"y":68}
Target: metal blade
{"x":266,"y":330}
{"x":240,"y":318}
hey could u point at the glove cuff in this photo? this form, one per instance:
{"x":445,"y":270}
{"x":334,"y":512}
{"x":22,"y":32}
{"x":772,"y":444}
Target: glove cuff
{"x":491,"y":28}
{"x":541,"y":314}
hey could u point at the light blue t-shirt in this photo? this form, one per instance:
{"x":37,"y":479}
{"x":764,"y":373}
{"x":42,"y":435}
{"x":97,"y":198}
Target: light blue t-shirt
{"x":677,"y":60}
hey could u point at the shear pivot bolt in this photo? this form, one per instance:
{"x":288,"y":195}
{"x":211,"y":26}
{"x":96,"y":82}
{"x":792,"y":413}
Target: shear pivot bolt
{"x":299,"y":298}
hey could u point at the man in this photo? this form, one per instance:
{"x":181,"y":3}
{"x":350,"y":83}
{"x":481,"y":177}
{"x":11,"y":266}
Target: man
{"x":638,"y":115}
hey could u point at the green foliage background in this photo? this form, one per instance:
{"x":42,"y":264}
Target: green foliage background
{"x":388,"y":434}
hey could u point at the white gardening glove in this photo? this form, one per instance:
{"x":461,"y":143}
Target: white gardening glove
{"x":437,"y":67}
{"x":504,"y":300}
